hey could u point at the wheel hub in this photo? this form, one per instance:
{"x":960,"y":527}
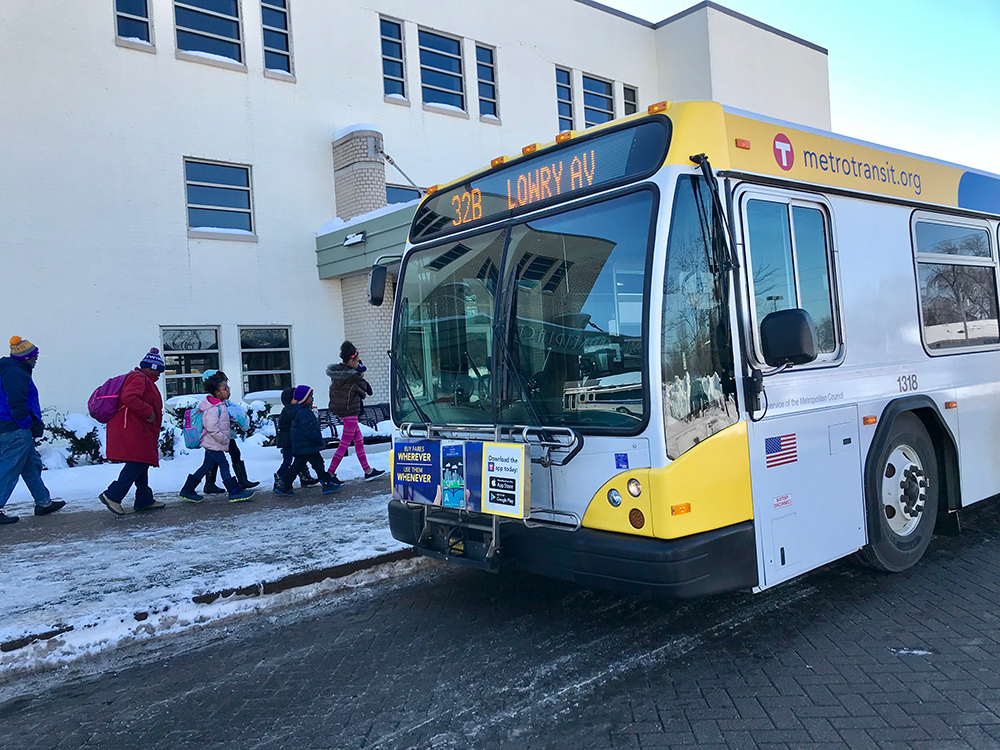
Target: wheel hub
{"x":904,"y":490}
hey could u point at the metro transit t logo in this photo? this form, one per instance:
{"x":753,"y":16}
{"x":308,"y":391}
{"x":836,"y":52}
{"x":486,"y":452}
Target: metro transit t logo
{"x":784,"y":154}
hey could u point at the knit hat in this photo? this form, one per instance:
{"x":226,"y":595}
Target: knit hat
{"x":153,"y":361}
{"x":301,"y":393}
{"x":22,"y":349}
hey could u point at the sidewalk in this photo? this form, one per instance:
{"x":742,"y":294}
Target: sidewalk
{"x":83,"y":580}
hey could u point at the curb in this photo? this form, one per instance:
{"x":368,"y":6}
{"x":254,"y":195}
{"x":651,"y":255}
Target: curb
{"x":295,"y":580}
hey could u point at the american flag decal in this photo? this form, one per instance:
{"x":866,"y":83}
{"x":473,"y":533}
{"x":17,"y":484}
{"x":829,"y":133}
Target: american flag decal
{"x":781,"y":450}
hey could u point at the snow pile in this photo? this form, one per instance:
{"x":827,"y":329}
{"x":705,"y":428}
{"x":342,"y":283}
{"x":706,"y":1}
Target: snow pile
{"x":133,"y":580}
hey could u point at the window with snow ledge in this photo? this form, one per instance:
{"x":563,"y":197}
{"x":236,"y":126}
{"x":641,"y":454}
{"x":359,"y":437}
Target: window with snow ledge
{"x":187,"y":353}
{"x":277,"y":37}
{"x":133,"y":24}
{"x":266,"y":356}
{"x":393,"y":76}
{"x":486,"y":73}
{"x":219,"y":200}
{"x":209,"y":30}
{"x":441,"y":78}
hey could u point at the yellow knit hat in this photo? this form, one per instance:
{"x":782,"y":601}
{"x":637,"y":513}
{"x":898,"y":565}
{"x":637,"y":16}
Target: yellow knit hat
{"x":22,"y":348}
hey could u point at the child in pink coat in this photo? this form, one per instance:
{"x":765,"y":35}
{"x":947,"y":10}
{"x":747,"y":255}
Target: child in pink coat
{"x":215,"y":441}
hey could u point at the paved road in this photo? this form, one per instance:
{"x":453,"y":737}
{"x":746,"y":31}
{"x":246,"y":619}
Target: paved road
{"x":451,"y":658}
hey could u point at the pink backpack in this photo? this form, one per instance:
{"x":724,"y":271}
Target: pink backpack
{"x":103,"y":403}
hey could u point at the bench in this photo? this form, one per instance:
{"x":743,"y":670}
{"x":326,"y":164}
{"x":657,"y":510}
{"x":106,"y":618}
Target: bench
{"x":370,"y":415}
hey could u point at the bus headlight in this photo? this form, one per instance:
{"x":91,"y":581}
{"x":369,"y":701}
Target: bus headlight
{"x":634,"y":488}
{"x":615,"y":498}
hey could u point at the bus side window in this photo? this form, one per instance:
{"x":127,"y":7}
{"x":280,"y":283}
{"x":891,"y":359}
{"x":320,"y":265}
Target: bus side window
{"x":956,"y":273}
{"x":789,"y":249}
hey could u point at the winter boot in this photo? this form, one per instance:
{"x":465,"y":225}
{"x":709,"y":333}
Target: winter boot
{"x":277,"y":482}
{"x":240,"y":469}
{"x":236,"y":491}
{"x":211,"y":488}
{"x":187,"y":491}
{"x":306,"y":479}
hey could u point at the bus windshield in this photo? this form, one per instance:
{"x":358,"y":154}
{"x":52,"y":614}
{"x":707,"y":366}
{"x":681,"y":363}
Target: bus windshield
{"x":538,"y":322}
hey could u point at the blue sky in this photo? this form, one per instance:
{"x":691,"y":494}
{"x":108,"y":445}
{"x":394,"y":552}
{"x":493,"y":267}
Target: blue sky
{"x":922,"y":76}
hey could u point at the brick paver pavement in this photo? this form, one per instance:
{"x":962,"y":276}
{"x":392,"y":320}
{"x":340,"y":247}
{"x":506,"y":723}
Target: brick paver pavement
{"x":453,"y":658}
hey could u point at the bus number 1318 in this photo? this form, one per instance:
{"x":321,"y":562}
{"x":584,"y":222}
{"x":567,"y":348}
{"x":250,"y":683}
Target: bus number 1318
{"x":907,"y":383}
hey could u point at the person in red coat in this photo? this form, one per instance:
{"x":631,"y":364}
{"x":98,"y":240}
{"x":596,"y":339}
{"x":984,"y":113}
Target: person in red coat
{"x":134,"y":435}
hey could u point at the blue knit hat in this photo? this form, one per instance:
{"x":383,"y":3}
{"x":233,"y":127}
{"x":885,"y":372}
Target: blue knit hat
{"x":301,"y":393}
{"x":153,"y":361}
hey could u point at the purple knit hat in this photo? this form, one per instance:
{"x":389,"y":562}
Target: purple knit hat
{"x":301,"y":393}
{"x":153,"y":361}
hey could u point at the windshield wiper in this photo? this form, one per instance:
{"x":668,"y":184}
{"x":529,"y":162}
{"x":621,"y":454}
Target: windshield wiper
{"x":522,"y":386}
{"x":406,"y":386}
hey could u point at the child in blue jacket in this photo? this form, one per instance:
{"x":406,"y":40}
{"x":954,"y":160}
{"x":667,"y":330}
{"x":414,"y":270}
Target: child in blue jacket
{"x":306,"y":440}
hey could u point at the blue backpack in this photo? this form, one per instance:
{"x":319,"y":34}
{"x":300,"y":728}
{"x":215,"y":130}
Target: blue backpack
{"x":193,"y":427}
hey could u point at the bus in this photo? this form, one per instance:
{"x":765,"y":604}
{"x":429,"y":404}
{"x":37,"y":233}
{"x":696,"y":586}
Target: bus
{"x":692,"y":351}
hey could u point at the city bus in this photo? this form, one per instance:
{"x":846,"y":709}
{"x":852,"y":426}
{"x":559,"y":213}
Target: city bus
{"x":692,"y":351}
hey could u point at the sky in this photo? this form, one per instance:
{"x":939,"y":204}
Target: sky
{"x":921,"y":76}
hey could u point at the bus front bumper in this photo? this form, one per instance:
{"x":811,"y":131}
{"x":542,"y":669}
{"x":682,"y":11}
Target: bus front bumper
{"x":713,"y":562}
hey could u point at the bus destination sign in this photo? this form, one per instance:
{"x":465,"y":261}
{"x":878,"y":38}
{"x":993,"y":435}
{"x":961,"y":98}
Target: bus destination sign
{"x":584,"y":165}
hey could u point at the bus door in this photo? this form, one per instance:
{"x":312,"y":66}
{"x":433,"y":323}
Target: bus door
{"x":805,"y":453}
{"x":805,"y":472}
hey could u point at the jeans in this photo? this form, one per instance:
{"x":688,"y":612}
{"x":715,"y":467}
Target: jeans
{"x":135,"y":473}
{"x":286,"y":459}
{"x":18,"y":458}
{"x":213,"y":459}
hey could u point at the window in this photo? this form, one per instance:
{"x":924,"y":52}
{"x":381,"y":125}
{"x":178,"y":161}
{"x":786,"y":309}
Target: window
{"x":267,"y":359}
{"x":564,"y":99}
{"x":277,"y":46}
{"x":441,"y":70}
{"x":218,"y":198}
{"x":209,"y":28}
{"x":486,"y":72}
{"x":187,"y":353}
{"x":393,"y":80}
{"x":790,"y":261}
{"x":132,"y":23}
{"x":699,"y":387}
{"x":631,"y":100}
{"x":397,"y":194}
{"x":598,"y":101}
{"x":958,"y":288}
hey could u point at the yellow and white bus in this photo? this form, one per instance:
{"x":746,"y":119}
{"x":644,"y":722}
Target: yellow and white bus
{"x":695,"y":350}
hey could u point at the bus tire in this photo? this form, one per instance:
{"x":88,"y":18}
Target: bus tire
{"x":906,"y":490}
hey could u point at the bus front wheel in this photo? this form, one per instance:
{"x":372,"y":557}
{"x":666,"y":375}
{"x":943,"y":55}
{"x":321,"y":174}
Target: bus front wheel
{"x":906,"y":491}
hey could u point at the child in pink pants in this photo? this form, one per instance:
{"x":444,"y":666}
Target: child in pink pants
{"x":348,"y":389}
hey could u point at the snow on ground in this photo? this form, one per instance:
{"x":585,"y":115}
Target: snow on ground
{"x":97,"y":583}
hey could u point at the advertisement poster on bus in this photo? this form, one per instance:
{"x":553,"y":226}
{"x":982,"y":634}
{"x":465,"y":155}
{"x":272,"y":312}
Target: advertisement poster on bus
{"x":490,"y":478}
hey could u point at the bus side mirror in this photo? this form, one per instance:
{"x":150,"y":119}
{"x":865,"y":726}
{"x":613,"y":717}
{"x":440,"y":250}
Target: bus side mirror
{"x":788,"y":337}
{"x":376,"y":285}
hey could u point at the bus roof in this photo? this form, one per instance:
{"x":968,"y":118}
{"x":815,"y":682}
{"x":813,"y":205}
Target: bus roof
{"x":740,"y":141}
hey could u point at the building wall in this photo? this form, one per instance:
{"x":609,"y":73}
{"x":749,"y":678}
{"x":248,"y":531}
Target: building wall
{"x":97,"y":255}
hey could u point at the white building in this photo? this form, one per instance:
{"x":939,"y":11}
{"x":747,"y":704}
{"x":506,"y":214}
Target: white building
{"x":167,"y":163}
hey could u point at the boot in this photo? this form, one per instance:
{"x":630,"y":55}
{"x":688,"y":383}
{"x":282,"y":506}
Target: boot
{"x":211,"y":488}
{"x":236,"y":491}
{"x":240,"y":470}
{"x":187,"y":491}
{"x":283,"y":487}
{"x":306,"y":479}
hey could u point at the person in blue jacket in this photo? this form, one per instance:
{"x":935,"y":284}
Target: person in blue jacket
{"x":306,"y":441}
{"x":20,"y":424}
